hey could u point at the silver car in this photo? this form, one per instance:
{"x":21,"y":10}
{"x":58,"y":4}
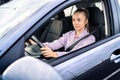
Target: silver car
{"x":47,"y":20}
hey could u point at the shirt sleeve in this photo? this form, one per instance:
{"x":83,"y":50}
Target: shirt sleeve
{"x":56,"y":44}
{"x":61,"y":53}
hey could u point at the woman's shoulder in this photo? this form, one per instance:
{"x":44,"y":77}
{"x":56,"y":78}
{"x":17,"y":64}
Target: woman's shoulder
{"x":92,"y":37}
{"x":69,"y":32}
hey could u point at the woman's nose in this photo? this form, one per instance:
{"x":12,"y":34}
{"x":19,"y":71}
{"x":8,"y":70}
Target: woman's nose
{"x":75,"y":22}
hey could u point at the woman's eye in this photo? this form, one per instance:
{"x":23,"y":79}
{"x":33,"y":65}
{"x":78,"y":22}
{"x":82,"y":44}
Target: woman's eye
{"x":76,"y":20}
{"x":73,"y":19}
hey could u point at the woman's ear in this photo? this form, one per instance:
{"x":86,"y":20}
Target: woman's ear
{"x":87,"y":24}
{"x":86,"y":21}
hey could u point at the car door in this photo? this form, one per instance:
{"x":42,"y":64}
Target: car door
{"x":108,"y":66}
{"x":85,"y":61}
{"x":97,"y":61}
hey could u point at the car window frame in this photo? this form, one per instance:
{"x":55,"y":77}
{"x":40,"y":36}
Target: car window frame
{"x":71,"y":55}
{"x":113,"y":19}
{"x":66,"y":57}
{"x":117,"y":2}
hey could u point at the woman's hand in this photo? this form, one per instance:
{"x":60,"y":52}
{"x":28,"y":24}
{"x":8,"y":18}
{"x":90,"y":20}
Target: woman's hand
{"x":32,"y":42}
{"x":47,"y":52}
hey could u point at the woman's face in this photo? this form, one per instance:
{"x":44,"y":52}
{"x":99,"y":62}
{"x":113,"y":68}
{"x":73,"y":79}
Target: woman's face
{"x":79,"y":21}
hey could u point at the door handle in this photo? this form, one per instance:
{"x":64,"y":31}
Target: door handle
{"x":115,"y":58}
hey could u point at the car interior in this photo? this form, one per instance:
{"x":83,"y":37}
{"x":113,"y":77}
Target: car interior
{"x":61,"y":24}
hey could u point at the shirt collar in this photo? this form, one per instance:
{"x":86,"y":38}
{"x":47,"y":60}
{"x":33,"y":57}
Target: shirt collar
{"x":84,"y":33}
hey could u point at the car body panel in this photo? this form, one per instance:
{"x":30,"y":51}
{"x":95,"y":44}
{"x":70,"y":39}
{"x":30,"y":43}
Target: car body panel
{"x":107,"y":70}
{"x":99,"y":54}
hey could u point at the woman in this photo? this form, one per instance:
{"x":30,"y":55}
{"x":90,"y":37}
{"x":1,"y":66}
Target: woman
{"x":80,"y":23}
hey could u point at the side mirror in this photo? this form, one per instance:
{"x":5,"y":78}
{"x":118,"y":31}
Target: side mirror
{"x":30,"y":68}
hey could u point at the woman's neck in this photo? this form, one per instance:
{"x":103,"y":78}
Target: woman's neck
{"x":77,"y":33}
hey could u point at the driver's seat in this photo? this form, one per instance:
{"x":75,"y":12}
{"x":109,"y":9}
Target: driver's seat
{"x":55,"y":28}
{"x":96,"y":19}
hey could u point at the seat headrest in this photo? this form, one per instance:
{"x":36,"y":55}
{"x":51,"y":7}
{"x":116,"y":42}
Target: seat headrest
{"x":95,"y":16}
{"x":60,"y":15}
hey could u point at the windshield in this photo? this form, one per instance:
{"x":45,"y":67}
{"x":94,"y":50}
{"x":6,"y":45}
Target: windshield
{"x":16,"y":11}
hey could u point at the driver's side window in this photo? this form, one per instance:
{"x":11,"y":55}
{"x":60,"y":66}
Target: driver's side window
{"x":62,"y":23}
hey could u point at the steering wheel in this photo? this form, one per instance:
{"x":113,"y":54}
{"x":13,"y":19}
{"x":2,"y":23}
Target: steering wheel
{"x":37,"y":41}
{"x":34,"y":50}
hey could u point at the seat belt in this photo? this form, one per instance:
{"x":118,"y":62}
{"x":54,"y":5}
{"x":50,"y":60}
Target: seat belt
{"x":74,"y":44}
